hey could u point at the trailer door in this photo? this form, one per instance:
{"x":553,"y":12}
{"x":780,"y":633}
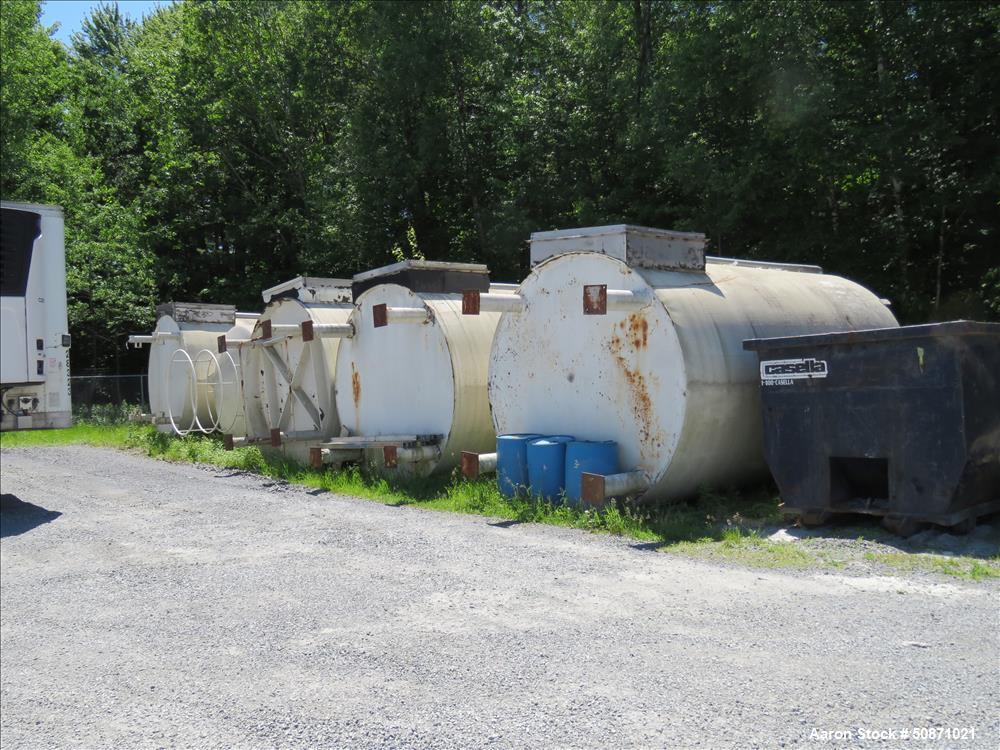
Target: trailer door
{"x":18,"y":232}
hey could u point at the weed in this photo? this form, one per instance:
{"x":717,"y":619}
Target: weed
{"x":956,"y":567}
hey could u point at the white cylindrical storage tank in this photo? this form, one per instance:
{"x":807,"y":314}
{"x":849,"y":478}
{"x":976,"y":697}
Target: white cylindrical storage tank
{"x":411,"y":384}
{"x":226,"y":379}
{"x":183,"y":368}
{"x":611,"y":344}
{"x":288,"y":365}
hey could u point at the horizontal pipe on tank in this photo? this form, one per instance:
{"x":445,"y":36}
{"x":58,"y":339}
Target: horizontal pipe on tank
{"x":225,"y":342}
{"x":475,"y":464}
{"x":275,"y":438}
{"x":596,"y":488}
{"x":475,"y":302}
{"x":393,"y":455}
{"x":137,"y":340}
{"x":311,"y":330}
{"x":379,"y":441}
{"x":599,"y":300}
{"x":383,"y":315}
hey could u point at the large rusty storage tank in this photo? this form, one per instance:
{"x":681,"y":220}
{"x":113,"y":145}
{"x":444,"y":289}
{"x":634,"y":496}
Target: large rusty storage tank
{"x":185,"y":378}
{"x":289,"y":362}
{"x":411,"y":383}
{"x":630,"y":334}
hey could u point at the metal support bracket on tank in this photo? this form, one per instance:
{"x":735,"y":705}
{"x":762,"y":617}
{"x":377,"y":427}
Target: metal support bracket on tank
{"x":395,"y":448}
{"x":598,"y":299}
{"x":270,"y":334}
{"x":320,"y":456}
{"x":475,"y":302}
{"x":475,"y":464}
{"x":224,"y":343}
{"x":383,"y":315}
{"x":137,"y":341}
{"x":597,"y":488}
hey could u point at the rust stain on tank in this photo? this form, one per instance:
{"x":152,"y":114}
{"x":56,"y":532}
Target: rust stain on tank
{"x":638,"y":330}
{"x":356,"y":386}
{"x":634,"y":333}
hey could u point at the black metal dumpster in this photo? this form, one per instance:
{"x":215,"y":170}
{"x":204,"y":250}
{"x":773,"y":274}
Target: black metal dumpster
{"x":903,"y":423}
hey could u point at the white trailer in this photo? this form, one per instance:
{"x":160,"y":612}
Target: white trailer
{"x":34,"y":331}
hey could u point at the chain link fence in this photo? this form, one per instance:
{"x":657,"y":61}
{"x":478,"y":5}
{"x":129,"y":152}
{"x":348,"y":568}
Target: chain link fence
{"x":103,"y":390}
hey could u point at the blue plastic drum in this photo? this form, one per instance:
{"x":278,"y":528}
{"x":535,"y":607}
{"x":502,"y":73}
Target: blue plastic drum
{"x":593,"y":457}
{"x":512,"y":463}
{"x":547,"y":466}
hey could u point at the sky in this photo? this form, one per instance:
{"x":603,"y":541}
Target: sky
{"x":69,"y":14}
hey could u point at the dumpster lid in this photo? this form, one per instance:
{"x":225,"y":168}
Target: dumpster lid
{"x":926,"y":330}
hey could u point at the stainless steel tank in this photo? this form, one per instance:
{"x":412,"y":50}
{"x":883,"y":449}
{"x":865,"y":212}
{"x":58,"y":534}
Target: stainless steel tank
{"x":411,"y":383}
{"x":630,"y":334}
{"x":184,"y":372}
{"x":288,"y":365}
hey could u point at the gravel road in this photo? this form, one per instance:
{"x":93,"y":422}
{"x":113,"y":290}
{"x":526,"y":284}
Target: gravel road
{"x":146,"y":604}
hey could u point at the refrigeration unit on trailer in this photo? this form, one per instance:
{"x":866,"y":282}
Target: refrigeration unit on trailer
{"x":34,"y":332}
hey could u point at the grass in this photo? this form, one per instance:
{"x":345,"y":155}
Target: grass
{"x":749,"y":548}
{"x":956,"y":567}
{"x":104,"y":436}
{"x":719,"y":526}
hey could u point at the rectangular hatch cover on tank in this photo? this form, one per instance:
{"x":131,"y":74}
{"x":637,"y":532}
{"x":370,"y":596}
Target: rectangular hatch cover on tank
{"x":197,"y":312}
{"x":427,"y":276}
{"x":311,"y":289}
{"x":639,"y":247}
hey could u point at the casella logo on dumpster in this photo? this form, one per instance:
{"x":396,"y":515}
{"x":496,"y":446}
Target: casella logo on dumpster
{"x":785,"y":371}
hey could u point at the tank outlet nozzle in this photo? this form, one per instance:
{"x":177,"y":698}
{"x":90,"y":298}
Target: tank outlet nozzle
{"x":596,"y":488}
{"x":475,"y":464}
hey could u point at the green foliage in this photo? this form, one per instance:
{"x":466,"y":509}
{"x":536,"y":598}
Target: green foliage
{"x":59,"y":141}
{"x":216,"y":148}
{"x":106,"y":414}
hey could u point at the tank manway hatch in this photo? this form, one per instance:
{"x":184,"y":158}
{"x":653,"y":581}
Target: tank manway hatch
{"x":639,"y":247}
{"x":426,"y":277}
{"x":310,"y":289}
{"x":197,"y":312}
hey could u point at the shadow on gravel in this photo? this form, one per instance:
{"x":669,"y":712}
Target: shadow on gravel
{"x":505,"y":524}
{"x":648,"y":546}
{"x":18,"y":517}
